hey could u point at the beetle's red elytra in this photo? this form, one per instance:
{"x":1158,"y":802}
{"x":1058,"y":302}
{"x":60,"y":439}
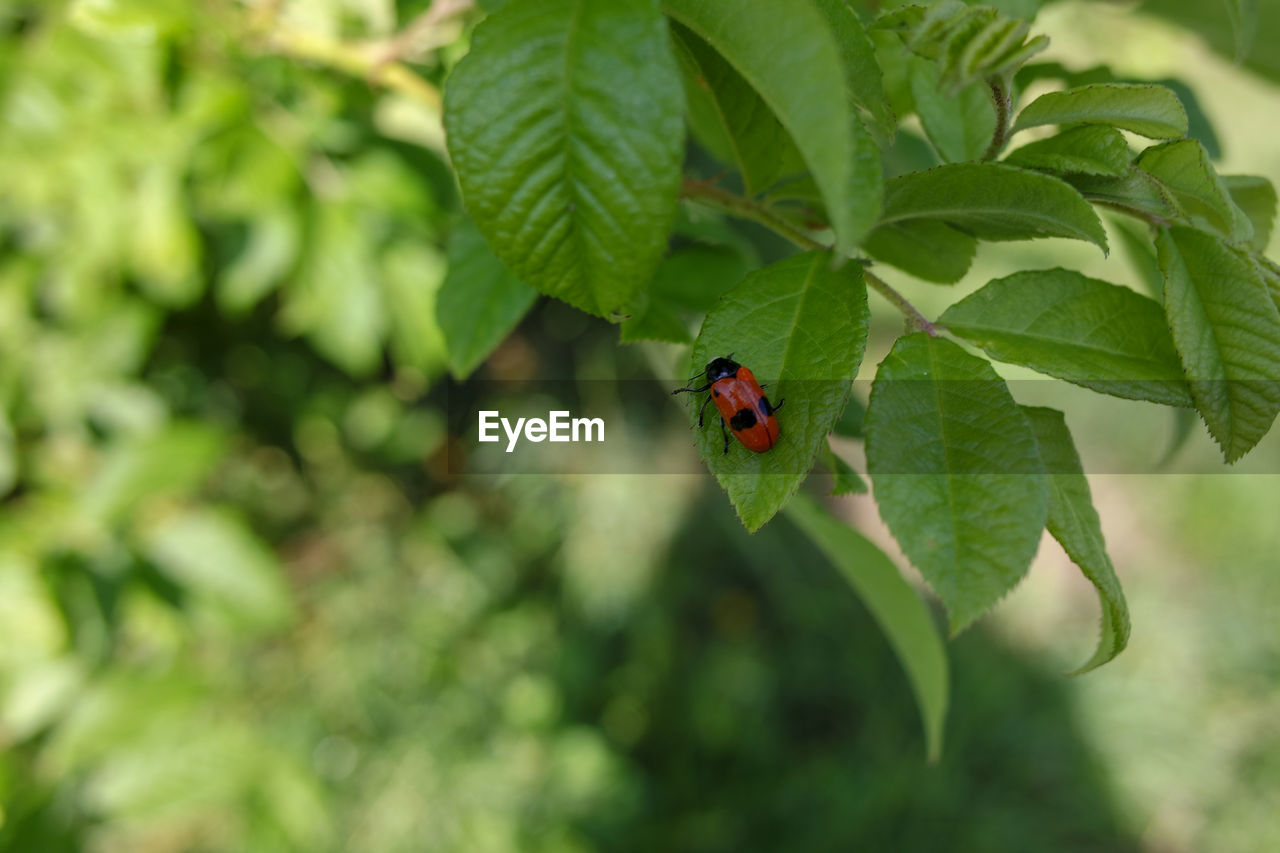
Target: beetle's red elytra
{"x":744,"y":408}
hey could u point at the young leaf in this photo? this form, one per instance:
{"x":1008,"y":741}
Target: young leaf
{"x":959,"y":124}
{"x":1083,"y":330}
{"x":753,"y":140}
{"x":480,"y":301}
{"x":564,"y":125}
{"x":926,"y":248}
{"x":1227,"y":330}
{"x":956,"y":472}
{"x":895,"y":606}
{"x":994,"y":202}
{"x":1256,"y":197}
{"x":1087,"y":150}
{"x":800,"y":325}
{"x":793,"y":61}
{"x":1151,"y":111}
{"x":844,"y":479}
{"x":1183,"y":168}
{"x":1075,"y":524}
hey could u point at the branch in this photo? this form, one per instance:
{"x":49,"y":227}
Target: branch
{"x":1001,"y":99}
{"x":915,"y":319}
{"x":356,"y":61}
{"x":745,"y":208}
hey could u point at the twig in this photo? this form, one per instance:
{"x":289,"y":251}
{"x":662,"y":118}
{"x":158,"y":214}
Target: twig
{"x":914,"y":318}
{"x":745,"y":208}
{"x":1001,"y":99}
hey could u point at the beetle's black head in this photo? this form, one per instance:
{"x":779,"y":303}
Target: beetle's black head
{"x":722,"y":367}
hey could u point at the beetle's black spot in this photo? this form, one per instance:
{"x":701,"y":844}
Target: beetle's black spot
{"x":742,"y":419}
{"x":765,"y":408}
{"x":715,"y":393}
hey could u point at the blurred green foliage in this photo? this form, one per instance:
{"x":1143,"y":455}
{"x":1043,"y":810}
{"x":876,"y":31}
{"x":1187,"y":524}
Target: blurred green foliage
{"x":244,"y":606}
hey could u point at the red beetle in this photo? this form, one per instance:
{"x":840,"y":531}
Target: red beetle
{"x":742,"y":404}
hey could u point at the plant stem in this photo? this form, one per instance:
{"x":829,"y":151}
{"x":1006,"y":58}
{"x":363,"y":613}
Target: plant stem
{"x":355,"y":61}
{"x":1000,"y":98}
{"x":745,"y":208}
{"x":915,"y":319}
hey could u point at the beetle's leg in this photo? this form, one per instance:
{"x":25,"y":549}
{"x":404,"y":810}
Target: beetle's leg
{"x":726,"y":437}
{"x":703,"y":410}
{"x":773,"y":408}
{"x":693,"y":390}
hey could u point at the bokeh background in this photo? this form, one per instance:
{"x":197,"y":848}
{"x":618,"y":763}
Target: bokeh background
{"x":244,"y":604}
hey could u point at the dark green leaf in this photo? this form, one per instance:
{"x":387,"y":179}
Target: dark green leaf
{"x":926,"y":248}
{"x":844,"y":479}
{"x":480,"y":301}
{"x":1075,"y":524}
{"x":564,"y":128}
{"x":1256,"y":197}
{"x":850,"y":423}
{"x":1147,"y":110}
{"x":793,"y":62}
{"x":731,"y":117}
{"x":1088,"y":150}
{"x":959,"y":124}
{"x":800,"y":325}
{"x":994,"y":202}
{"x":956,"y":472}
{"x":1227,"y":330}
{"x":1080,"y":329}
{"x":895,"y":606}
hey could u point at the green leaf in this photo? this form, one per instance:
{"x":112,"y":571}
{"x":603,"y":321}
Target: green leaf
{"x":1075,"y":524}
{"x":844,"y":479}
{"x":268,"y":256}
{"x":956,"y":472}
{"x":1227,"y":329}
{"x":862,"y":72}
{"x":411,"y":276}
{"x":480,"y":301}
{"x":688,"y":282}
{"x":1183,"y":168}
{"x":1083,"y":330}
{"x":801,"y":326}
{"x":174,"y":461}
{"x":994,"y":202}
{"x":850,"y":423}
{"x":335,"y":298}
{"x":793,"y":61}
{"x":926,"y":248}
{"x":958,"y":124}
{"x":1151,"y":111}
{"x":214,"y":555}
{"x":564,"y":127}
{"x":728,"y":113}
{"x":1087,"y":150}
{"x":1141,"y":254}
{"x":1137,"y":192}
{"x":895,"y":606}
{"x":1256,"y":198}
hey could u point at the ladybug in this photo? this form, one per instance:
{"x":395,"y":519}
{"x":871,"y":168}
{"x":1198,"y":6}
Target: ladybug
{"x":742,"y":404}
